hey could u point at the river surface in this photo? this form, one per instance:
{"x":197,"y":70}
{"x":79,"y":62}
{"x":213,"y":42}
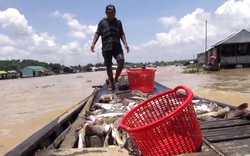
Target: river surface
{"x":29,"y":104}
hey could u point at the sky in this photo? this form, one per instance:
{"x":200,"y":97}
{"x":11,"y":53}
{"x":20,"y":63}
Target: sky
{"x":61,"y":31}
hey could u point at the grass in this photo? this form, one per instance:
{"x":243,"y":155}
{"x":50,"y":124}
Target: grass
{"x":193,"y":68}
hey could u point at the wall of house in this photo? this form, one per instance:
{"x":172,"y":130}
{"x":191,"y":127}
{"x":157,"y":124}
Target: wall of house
{"x":235,"y":54}
{"x":201,"y":58}
{"x":26,"y":72}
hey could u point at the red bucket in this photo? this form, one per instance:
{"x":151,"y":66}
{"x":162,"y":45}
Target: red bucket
{"x":165,"y":124}
{"x":141,"y":79}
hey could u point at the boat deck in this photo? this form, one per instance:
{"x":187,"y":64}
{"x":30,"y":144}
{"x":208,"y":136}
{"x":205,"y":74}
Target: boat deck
{"x":227,"y":136}
{"x":224,"y":137}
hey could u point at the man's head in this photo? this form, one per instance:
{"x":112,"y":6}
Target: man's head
{"x":110,"y":8}
{"x":110,"y":12}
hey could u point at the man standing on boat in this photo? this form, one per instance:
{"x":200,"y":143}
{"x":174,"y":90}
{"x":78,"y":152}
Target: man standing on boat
{"x":111,"y":31}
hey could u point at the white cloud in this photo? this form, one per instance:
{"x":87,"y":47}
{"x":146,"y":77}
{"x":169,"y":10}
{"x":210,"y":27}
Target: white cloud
{"x":5,"y":40}
{"x":188,"y":31}
{"x":180,"y":37}
{"x":71,"y":48}
{"x":168,"y":21}
{"x":13,"y":53}
{"x":233,"y":15}
{"x":77,"y":30}
{"x":187,"y":38}
{"x":13,"y":21}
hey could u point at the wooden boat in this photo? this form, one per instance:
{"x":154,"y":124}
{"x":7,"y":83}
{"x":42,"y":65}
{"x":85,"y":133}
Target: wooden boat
{"x":220,"y":137}
{"x":211,"y":67}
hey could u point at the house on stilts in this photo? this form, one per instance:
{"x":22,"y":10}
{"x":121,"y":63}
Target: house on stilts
{"x":232,"y":51}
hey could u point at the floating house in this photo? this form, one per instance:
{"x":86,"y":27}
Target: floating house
{"x":201,"y":58}
{"x":3,"y":74}
{"x":12,"y":74}
{"x":32,"y":71}
{"x":232,"y":51}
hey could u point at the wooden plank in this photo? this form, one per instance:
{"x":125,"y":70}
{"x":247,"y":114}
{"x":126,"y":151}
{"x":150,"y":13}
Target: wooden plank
{"x":102,"y":151}
{"x":71,"y":137}
{"x":227,"y":137}
{"x":216,"y":149}
{"x":59,"y":139}
{"x":203,"y":153}
{"x":235,"y":147}
{"x":223,"y":123}
{"x":227,"y":131}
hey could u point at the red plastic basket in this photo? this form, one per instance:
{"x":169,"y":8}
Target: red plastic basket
{"x":165,"y":124}
{"x":141,"y":79}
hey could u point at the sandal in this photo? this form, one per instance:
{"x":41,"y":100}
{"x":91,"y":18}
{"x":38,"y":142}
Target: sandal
{"x":117,"y":83}
{"x":111,"y":88}
{"x":124,"y":87}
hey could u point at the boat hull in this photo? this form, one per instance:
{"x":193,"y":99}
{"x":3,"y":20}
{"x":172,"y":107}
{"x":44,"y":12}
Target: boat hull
{"x":211,"y":68}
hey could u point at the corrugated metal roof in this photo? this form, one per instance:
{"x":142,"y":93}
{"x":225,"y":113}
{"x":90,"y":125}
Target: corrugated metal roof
{"x":3,"y":72}
{"x":242,"y":36}
{"x":12,"y":71}
{"x":36,"y":68}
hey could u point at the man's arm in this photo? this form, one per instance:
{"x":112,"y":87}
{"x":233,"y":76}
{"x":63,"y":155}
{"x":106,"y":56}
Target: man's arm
{"x":95,"y":39}
{"x":125,"y":42}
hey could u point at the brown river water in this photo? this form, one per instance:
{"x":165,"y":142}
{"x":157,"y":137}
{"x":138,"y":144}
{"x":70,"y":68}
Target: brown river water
{"x":29,"y":104}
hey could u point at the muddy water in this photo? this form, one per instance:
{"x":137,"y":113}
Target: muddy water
{"x":230,"y":86}
{"x":29,"y":104}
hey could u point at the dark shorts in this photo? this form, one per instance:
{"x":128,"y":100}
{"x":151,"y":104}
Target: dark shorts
{"x":108,"y":55}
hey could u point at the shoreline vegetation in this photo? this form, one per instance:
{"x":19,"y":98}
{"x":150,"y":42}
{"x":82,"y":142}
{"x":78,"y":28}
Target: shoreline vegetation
{"x":193,"y":68}
{"x":13,"y":68}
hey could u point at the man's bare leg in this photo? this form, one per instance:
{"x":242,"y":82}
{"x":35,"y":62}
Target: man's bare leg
{"x":110,"y":76}
{"x":119,"y":69}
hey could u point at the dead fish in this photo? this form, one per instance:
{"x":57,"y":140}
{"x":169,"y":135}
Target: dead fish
{"x":207,"y":118}
{"x":239,"y":111}
{"x":131,"y":106}
{"x":220,"y":113}
{"x":108,"y":106}
{"x":103,"y":120}
{"x":196,"y":101}
{"x":139,"y":93}
{"x":201,"y":108}
{"x":101,"y":129}
{"x":138,"y":98}
{"x":81,"y":137}
{"x":109,"y":120}
{"x":105,"y":142}
{"x":243,"y":106}
{"x":95,"y":112}
{"x":117,"y":136}
{"x":106,"y":97}
{"x":99,"y":121}
{"x":116,"y":99}
{"x":110,"y":114}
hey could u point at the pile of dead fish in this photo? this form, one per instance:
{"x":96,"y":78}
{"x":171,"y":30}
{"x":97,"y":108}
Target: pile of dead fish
{"x":101,"y":127}
{"x":208,"y":111}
